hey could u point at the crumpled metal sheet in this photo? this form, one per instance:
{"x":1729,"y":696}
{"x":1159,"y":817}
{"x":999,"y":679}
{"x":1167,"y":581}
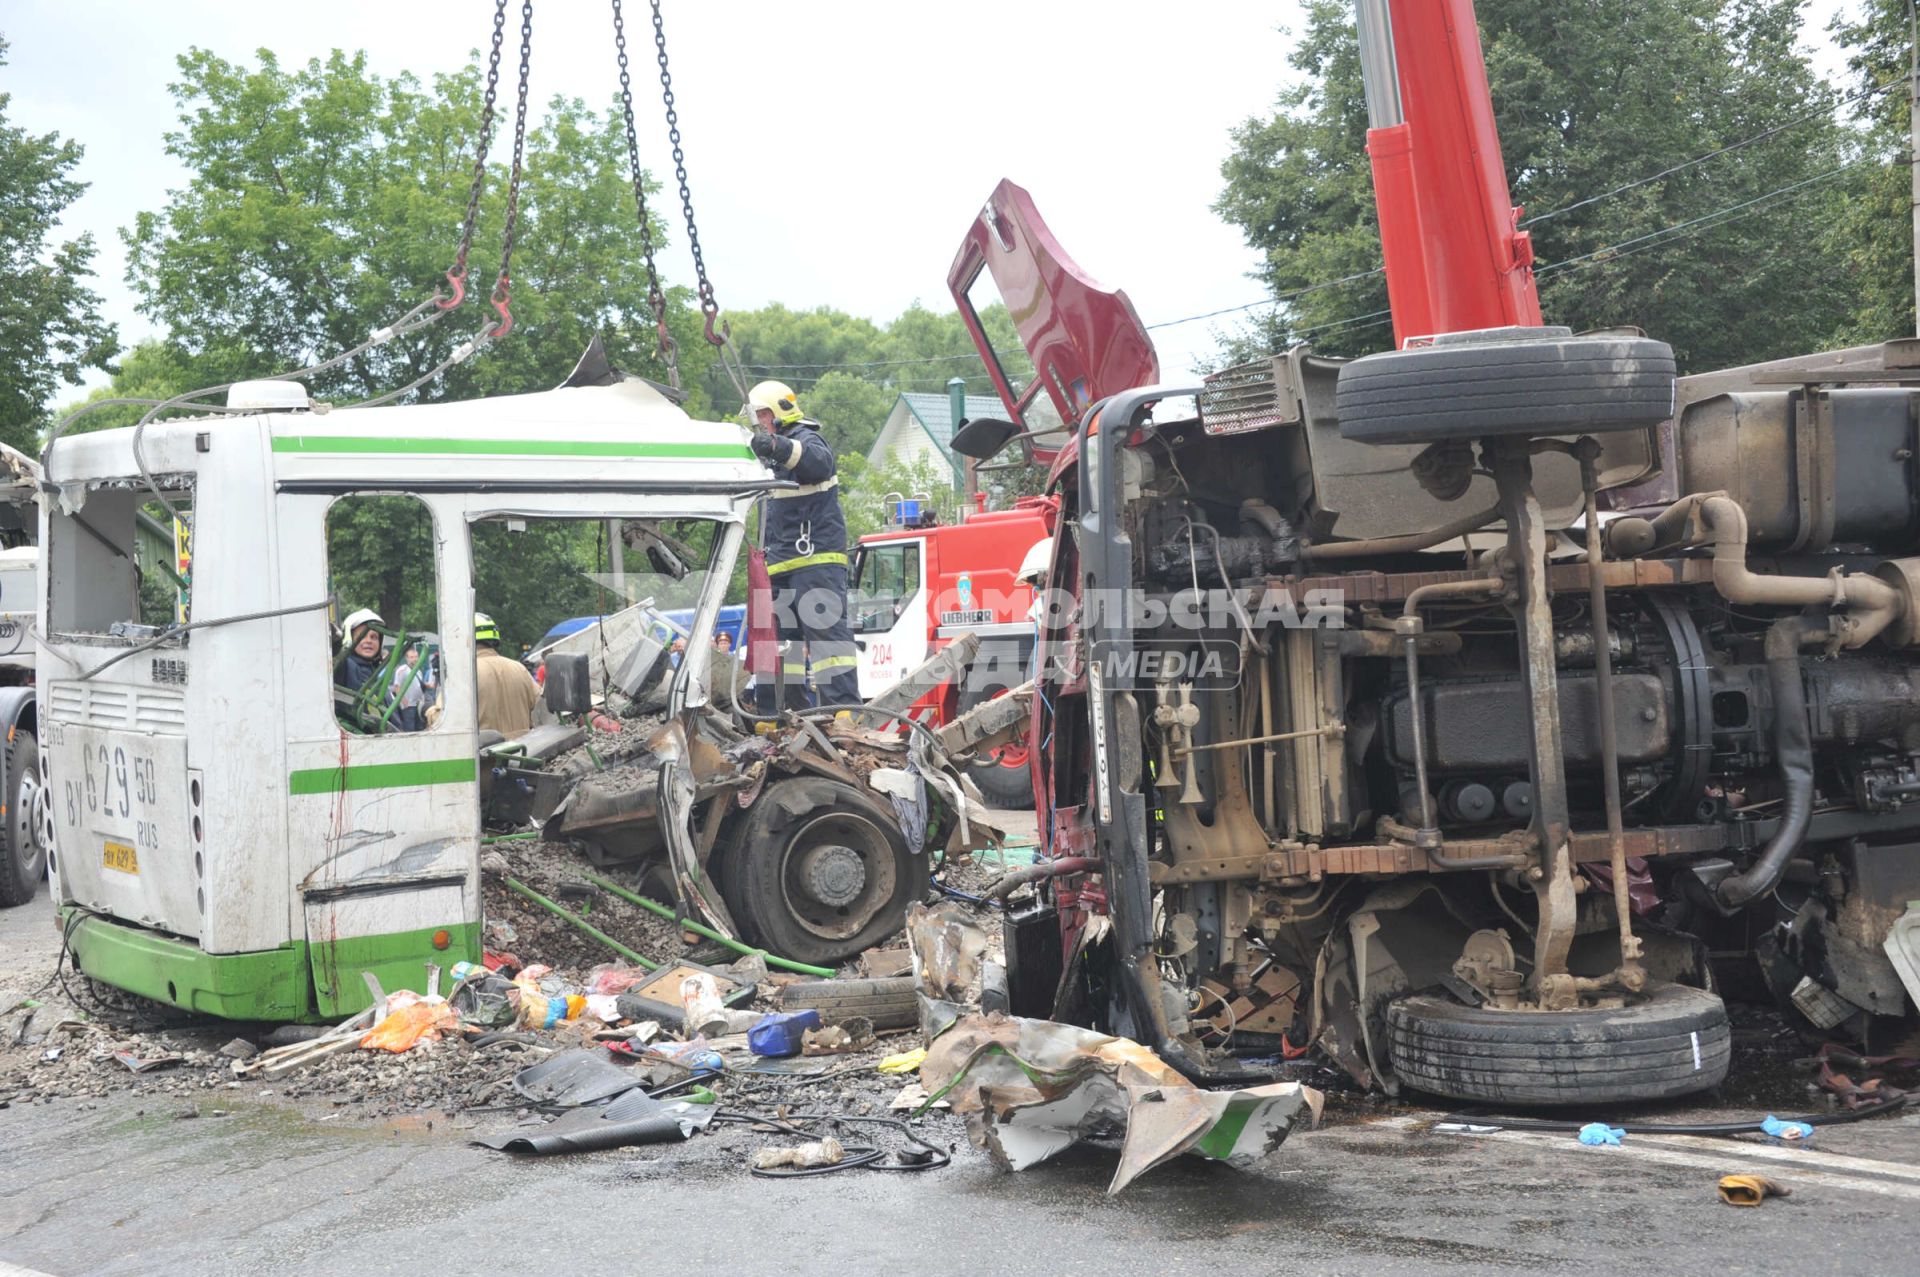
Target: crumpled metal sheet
{"x":633,"y":1118}
{"x":573,"y":1078}
{"x":1031,"y":1088}
{"x":947,"y":946}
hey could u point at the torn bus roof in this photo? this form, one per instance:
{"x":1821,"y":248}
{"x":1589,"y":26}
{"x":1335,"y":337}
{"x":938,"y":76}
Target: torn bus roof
{"x":625,"y":436}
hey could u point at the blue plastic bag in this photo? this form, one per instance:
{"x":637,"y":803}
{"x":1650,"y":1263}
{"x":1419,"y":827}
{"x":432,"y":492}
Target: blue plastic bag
{"x":1600,"y":1133}
{"x":1786,"y":1130}
{"x":778,"y":1033}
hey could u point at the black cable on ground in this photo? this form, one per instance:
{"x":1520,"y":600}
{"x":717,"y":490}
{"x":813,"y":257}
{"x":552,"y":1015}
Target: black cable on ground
{"x":858,"y":1156}
{"x":1559,"y":1126}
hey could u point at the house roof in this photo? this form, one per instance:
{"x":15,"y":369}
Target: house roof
{"x":935,"y":414}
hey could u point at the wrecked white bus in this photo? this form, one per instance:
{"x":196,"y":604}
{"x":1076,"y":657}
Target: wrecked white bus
{"x":233,"y":838}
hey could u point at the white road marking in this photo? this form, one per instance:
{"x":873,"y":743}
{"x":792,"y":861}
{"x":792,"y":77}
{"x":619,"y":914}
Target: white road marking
{"x":1809,"y":1166}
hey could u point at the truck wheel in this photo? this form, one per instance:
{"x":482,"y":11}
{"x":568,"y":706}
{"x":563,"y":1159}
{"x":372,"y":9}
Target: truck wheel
{"x":1003,"y":777}
{"x":23,"y":857}
{"x":820,"y":871}
{"x":890,"y":1003}
{"x":1511,"y":381}
{"x":1674,"y":1042}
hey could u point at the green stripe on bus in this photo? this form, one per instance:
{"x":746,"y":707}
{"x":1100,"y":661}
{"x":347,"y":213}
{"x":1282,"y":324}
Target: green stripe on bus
{"x":507,"y":447}
{"x":333,"y":780}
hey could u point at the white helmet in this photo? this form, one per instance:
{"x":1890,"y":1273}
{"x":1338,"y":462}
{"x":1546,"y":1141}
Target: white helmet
{"x":365,"y":616}
{"x":1033,"y":568}
{"x":356,"y":623}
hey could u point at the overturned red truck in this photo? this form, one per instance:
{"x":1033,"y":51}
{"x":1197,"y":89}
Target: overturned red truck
{"x":1475,"y":799}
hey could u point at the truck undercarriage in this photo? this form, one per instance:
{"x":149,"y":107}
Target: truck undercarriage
{"x":1381,"y":822}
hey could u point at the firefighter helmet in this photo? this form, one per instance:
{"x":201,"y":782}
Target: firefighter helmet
{"x":777,"y":398}
{"x":484,"y":630}
{"x":356,"y":620}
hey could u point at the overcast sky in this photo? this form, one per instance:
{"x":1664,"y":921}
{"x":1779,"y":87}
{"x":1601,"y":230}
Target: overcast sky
{"x":837,"y":149}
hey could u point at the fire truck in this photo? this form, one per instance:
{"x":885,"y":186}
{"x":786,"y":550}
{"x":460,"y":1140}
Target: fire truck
{"x":919,"y":584}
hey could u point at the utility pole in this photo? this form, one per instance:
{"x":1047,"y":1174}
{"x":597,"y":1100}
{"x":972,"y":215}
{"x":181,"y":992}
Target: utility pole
{"x":957,"y":409}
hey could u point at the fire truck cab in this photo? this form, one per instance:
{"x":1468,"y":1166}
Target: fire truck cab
{"x":919,"y":584}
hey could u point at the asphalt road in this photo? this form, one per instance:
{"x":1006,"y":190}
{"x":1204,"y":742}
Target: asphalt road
{"x":130,"y":1187}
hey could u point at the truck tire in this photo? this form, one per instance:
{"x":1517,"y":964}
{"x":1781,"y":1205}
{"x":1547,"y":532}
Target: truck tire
{"x":889,"y":1003}
{"x":819,"y":871}
{"x":1003,"y":777}
{"x":1675,"y":1042}
{"x":1515,"y":381}
{"x":23,"y":856}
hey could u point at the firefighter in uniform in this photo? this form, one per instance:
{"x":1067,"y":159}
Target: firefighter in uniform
{"x":806,"y":543}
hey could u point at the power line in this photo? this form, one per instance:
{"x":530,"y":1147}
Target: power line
{"x":871,"y":363}
{"x":1668,"y":233}
{"x":1628,"y":247}
{"x":1274,"y":300}
{"x":1776,"y":130}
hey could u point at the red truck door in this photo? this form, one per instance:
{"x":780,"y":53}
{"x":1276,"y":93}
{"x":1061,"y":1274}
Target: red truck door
{"x":1082,"y":341}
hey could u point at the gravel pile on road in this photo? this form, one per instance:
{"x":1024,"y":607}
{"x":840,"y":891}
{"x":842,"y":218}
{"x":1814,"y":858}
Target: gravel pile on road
{"x":64,"y":1046}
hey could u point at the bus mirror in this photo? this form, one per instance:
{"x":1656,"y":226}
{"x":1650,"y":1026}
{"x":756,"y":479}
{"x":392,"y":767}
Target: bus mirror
{"x":983,"y":438}
{"x":569,"y":688}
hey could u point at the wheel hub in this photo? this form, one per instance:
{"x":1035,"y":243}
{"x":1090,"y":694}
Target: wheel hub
{"x":834,"y":875}
{"x":35,"y":818}
{"x":42,"y":817}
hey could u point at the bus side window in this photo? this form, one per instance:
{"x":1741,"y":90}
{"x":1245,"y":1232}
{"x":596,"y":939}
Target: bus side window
{"x":387,"y":671}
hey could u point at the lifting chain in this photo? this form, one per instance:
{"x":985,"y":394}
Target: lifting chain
{"x":501,"y":295}
{"x":708,"y":306}
{"x":656,"y":298}
{"x":457,"y":277}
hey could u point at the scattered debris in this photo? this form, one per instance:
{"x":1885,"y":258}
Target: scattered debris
{"x":634,"y":1118}
{"x":844,"y":1038}
{"x":1750,"y":1190}
{"x":782,"y":1033}
{"x":826,"y":1152}
{"x":1031,"y":1088}
{"x":1783,"y":1130}
{"x":137,"y":1065}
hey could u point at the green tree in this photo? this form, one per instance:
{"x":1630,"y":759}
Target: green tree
{"x":326,"y":200}
{"x":50,"y":325}
{"x":1589,"y":95}
{"x":850,"y":410}
{"x":1870,"y":230}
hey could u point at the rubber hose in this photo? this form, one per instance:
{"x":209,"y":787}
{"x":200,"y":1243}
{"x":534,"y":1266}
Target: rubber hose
{"x":1794,"y":747}
{"x":701,"y":929}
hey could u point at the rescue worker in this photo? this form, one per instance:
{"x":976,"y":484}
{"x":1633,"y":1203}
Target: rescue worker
{"x":806,"y":545}
{"x":358,"y":668}
{"x":506,"y":693}
{"x":361,"y":660}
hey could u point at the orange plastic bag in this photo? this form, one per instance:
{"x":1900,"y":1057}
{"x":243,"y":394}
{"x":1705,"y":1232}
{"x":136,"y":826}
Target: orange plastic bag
{"x":411,"y":1024}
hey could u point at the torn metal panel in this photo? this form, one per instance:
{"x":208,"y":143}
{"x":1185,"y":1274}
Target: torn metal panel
{"x":1031,"y":1088}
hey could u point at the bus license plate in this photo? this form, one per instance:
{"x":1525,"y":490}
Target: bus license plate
{"x":119,"y":856}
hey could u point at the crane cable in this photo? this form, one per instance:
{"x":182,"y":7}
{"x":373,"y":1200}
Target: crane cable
{"x":718,"y":333}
